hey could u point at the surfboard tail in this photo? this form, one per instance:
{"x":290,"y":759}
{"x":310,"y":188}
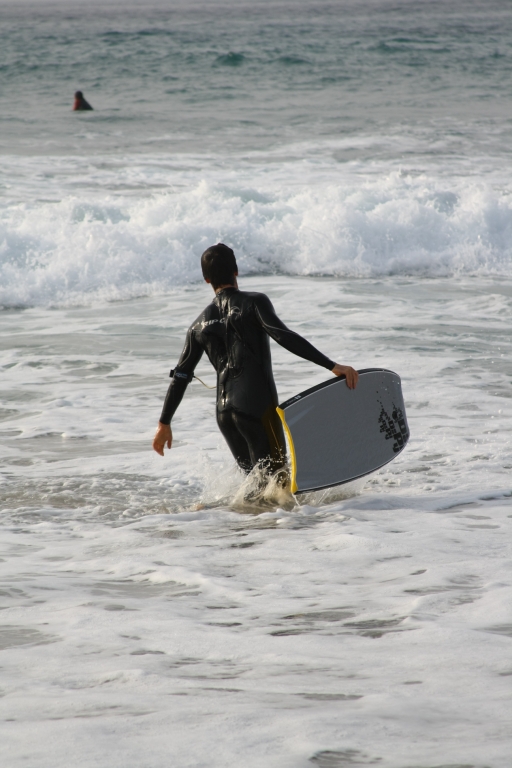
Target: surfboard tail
{"x":293,"y":474}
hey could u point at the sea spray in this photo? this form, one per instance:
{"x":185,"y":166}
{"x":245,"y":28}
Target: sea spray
{"x":81,"y":250}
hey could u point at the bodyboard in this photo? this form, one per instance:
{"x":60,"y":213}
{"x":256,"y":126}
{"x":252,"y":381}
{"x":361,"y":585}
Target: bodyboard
{"x":337,"y":434}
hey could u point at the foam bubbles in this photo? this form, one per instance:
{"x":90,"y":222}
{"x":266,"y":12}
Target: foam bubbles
{"x":82,"y":249}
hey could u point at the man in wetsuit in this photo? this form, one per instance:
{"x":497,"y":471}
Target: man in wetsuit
{"x":234,"y":332}
{"x":80,"y":103}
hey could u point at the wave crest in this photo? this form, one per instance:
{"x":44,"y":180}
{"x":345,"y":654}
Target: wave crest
{"x":78,"y":250}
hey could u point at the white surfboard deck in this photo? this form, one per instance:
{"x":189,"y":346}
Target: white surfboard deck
{"x":337,"y":434}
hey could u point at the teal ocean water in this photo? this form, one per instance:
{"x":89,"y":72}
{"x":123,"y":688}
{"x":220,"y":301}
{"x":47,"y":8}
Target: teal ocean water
{"x":340,"y":138}
{"x":357,"y":156}
{"x":214,"y":76}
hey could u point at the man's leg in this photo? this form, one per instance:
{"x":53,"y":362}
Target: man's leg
{"x":254,"y":441}
{"x":274,"y":428}
{"x":235,"y":440}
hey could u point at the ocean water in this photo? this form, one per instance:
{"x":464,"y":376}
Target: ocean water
{"x":356,"y":155}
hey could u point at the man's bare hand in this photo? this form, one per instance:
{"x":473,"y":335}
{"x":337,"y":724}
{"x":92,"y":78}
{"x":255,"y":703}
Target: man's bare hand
{"x":163,"y":436}
{"x":350,"y":374}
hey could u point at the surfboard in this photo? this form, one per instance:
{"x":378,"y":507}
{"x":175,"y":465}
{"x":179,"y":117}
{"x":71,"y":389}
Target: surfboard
{"x":337,"y":434}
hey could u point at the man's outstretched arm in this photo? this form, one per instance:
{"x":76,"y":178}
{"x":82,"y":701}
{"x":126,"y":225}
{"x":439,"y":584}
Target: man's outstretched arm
{"x":295,"y":343}
{"x":183,"y":374}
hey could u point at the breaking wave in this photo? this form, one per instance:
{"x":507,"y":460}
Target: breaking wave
{"x":78,"y":250}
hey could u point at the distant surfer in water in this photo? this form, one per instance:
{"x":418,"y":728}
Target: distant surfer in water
{"x":234,"y":332}
{"x":80,"y":104}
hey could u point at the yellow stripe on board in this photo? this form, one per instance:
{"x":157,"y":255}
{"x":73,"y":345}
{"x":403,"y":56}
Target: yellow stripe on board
{"x":292,"y":450}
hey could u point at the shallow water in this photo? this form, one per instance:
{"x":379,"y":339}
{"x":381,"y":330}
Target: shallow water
{"x":372,"y":629}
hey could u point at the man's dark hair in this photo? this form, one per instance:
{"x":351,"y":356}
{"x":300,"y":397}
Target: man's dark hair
{"x":219,"y":265}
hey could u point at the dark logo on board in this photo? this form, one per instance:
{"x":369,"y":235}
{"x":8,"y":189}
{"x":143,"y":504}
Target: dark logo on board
{"x":394,"y":427}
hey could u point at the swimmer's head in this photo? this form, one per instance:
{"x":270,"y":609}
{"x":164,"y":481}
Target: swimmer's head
{"x":79,"y":95}
{"x":219,"y":265}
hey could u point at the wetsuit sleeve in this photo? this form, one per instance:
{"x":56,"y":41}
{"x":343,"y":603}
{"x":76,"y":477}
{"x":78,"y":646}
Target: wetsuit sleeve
{"x":183,"y":374}
{"x":290,"y":340}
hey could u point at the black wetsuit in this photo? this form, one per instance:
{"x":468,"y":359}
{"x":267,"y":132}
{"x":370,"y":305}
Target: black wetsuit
{"x":233,"y":331}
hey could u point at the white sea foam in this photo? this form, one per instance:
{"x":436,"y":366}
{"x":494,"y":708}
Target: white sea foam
{"x":145,"y":606}
{"x":113,"y":247}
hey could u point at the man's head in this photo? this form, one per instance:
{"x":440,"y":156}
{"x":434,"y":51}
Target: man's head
{"x":219,"y":265}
